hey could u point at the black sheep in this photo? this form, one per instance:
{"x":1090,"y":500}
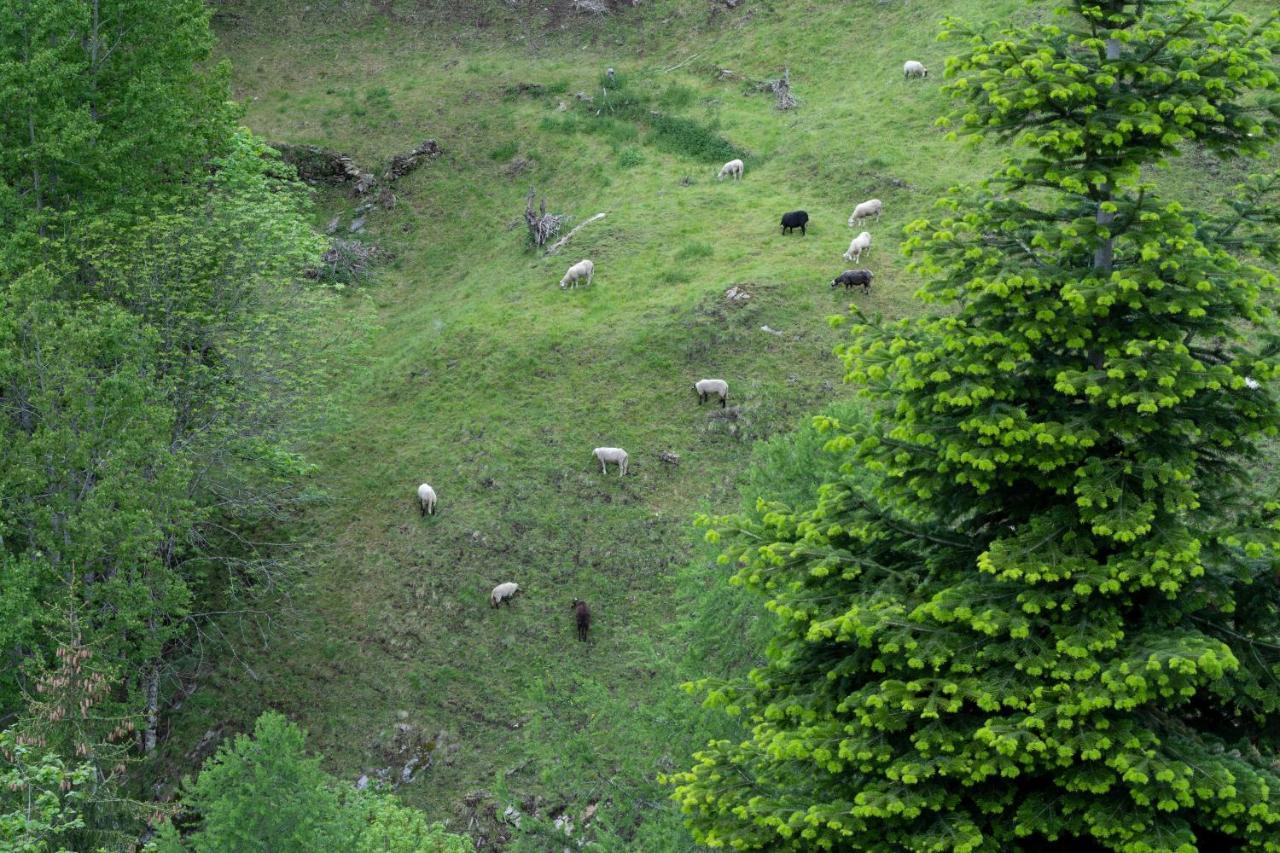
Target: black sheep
{"x":793,"y":220}
{"x":853,"y":278}
{"x":582,"y":614}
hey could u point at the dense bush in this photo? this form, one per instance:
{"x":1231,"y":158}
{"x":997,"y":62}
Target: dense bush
{"x":263,"y":793}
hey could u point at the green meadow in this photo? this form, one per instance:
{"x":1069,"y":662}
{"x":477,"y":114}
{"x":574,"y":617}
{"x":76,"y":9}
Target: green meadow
{"x":484,"y":378}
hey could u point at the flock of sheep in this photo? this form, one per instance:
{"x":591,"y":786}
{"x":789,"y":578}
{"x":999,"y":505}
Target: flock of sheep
{"x":504,"y":593}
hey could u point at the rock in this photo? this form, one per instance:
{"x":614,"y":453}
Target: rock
{"x":357,"y":224}
{"x":403,"y":164}
{"x":564,"y":823}
{"x":736,"y":295}
{"x":202,"y":750}
{"x":512,"y":816}
{"x":670,"y":458}
{"x":406,"y":775}
{"x":320,"y":164}
{"x":590,"y":812}
{"x":362,"y":782}
{"x":332,"y":227}
{"x":402,"y":714}
{"x":769,"y":331}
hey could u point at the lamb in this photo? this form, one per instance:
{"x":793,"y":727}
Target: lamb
{"x":582,"y":615}
{"x":612,"y":454}
{"x":582,"y":269}
{"x":705,"y":387}
{"x":859,"y":244}
{"x":427,"y":499}
{"x":866,"y":210}
{"x":853,"y":278}
{"x":733,"y":169}
{"x":793,"y":220}
{"x":911,"y":68}
{"x":503,"y":592}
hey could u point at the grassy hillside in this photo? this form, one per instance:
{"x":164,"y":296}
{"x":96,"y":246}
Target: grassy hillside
{"x":488,"y":381}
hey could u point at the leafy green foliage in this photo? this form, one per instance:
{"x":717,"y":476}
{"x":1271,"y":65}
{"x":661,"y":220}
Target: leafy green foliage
{"x":39,"y":797}
{"x":264,"y":793}
{"x":106,"y":103}
{"x":156,"y":353}
{"x":630,"y":157}
{"x":82,"y":421}
{"x":1047,"y":611}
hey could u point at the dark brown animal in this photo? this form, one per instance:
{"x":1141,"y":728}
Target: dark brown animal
{"x":582,"y":614}
{"x":853,"y":278}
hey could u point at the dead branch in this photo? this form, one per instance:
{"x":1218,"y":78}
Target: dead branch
{"x":566,"y":238}
{"x":542,"y":225}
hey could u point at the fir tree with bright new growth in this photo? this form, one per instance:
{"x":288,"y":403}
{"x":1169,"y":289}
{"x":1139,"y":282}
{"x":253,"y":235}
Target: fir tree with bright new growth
{"x":1053,"y":616}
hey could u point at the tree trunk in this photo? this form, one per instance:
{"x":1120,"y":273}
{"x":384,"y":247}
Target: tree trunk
{"x":153,"y":709}
{"x":1103,"y":255}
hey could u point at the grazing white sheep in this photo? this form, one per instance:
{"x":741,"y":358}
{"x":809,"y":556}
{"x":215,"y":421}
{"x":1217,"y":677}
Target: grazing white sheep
{"x":612,"y":454}
{"x":866,"y":210}
{"x":582,"y":269}
{"x":503,"y":592}
{"x":911,"y":68}
{"x":427,"y":499}
{"x":858,"y":245}
{"x":732,"y":169}
{"x":706,"y":387}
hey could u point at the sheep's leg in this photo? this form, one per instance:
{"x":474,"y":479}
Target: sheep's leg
{"x":722,"y":401}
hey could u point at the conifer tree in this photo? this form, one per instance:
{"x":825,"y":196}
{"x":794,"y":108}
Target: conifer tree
{"x":1054,"y":617}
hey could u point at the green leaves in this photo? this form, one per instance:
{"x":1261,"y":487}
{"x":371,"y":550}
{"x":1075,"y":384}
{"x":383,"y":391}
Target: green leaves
{"x":41,"y":798}
{"x":106,"y":103}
